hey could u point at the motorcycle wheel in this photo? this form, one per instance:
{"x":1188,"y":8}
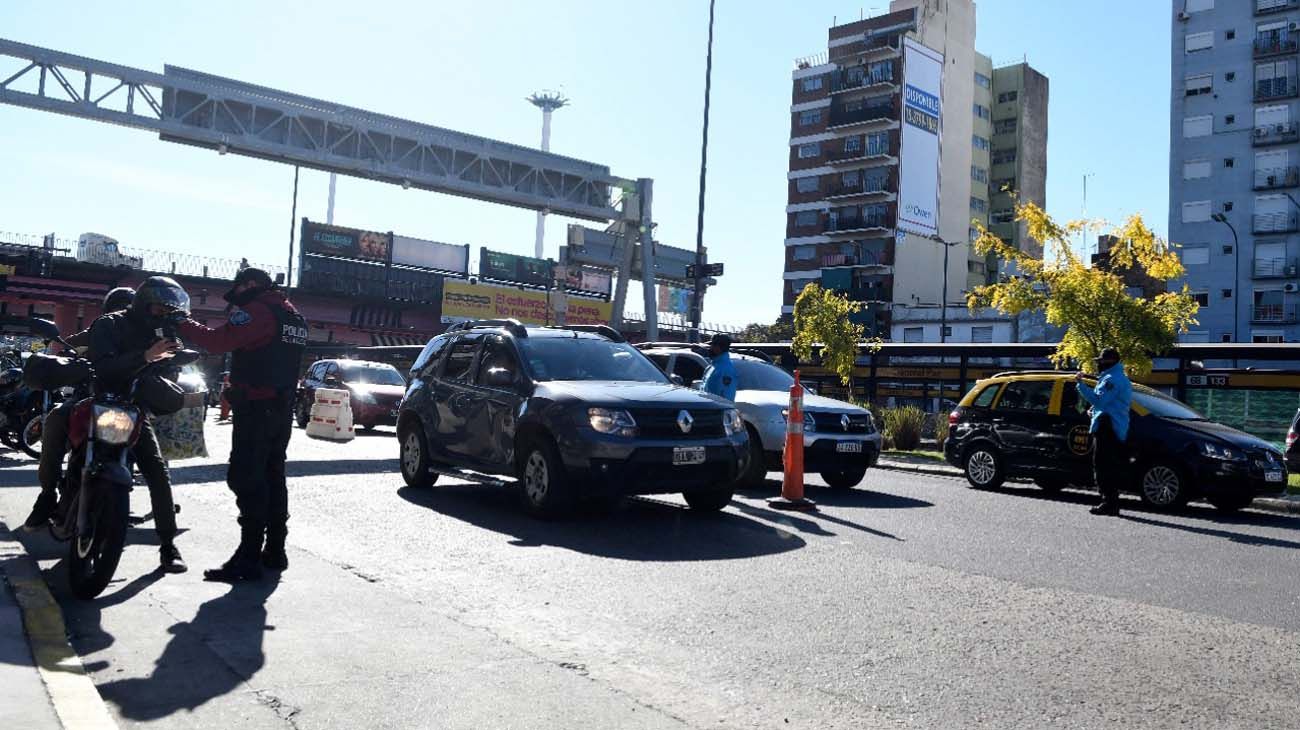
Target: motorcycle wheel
{"x":93,"y":557}
{"x":30,"y":438}
{"x":9,"y":439}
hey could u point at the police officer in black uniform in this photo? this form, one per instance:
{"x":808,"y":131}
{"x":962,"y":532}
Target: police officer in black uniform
{"x":266,"y":336}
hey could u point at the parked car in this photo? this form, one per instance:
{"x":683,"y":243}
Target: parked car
{"x":570,"y":413}
{"x":1292,"y":449}
{"x":376,"y":389}
{"x":1035,"y":425}
{"x":841,"y":440}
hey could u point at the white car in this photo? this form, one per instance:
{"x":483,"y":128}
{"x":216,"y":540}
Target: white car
{"x":840,"y":440}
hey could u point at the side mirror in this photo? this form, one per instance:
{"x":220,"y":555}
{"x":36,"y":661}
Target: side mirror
{"x":677,"y":380}
{"x":44,"y":328}
{"x":500,"y":378}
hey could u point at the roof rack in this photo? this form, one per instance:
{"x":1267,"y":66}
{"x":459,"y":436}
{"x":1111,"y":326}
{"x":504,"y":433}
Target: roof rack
{"x":514,"y":326}
{"x":603,"y":330}
{"x":693,"y":346}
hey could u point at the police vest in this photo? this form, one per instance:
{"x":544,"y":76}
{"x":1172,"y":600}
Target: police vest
{"x":275,"y":364}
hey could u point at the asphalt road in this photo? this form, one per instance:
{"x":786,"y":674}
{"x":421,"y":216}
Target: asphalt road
{"x":910,"y":602}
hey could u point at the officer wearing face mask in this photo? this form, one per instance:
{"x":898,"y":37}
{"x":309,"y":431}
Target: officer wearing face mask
{"x":266,"y":336}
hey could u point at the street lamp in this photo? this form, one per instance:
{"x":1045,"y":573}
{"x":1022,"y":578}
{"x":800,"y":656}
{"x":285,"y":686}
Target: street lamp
{"x":697,"y":296}
{"x":943,"y":305}
{"x":1236,"y":272}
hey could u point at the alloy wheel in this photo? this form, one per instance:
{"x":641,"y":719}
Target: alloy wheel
{"x":981,"y":466}
{"x":411,"y":453}
{"x":537,"y":478}
{"x":1161,"y":485}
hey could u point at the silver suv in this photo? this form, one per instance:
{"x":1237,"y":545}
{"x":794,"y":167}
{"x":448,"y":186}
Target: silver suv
{"x":840,"y":440}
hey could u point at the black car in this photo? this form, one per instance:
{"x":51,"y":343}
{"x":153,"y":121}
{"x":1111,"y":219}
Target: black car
{"x":1292,"y":449}
{"x":1035,"y":425}
{"x":570,"y":413}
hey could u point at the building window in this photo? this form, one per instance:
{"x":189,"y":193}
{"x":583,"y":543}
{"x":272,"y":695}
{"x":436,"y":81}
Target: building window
{"x":1229,"y":162}
{"x":1274,"y":80}
{"x":810,"y":150}
{"x":1270,"y":339}
{"x":983,"y":81}
{"x":1229,"y":35}
{"x":1202,"y":298}
{"x":978,"y":205}
{"x":1196,"y":169}
{"x":812,"y":83}
{"x":1004,"y":126}
{"x":982,"y":111}
{"x":1196,"y":256}
{"x":1225,"y":337}
{"x":1227,"y":250}
{"x":1001,"y":157}
{"x":978,"y":142}
{"x":1226,"y":293}
{"x":1200,"y":126}
{"x":850,"y":178}
{"x":973,"y":233}
{"x":806,"y":219}
{"x":1227,"y":206}
{"x":878,"y":144}
{"x":1230,"y":76}
{"x":1197,"y":211}
{"x":1004,"y":185}
{"x":1199,"y":84}
{"x":1194,"y":42}
{"x":913,"y":334}
{"x":807,"y":184}
{"x":979,"y":174}
{"x":1006,"y":215}
{"x":805,"y":253}
{"x":853,"y":144}
{"x":811,"y":116}
{"x":1007,"y":96}
{"x":981,"y":334}
{"x":1197,"y":6}
{"x":1229,"y":118}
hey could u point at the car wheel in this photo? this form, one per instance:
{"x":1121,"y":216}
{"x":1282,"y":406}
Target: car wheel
{"x":844,"y":478}
{"x":1051,"y":485}
{"x":415,"y":458}
{"x":708,"y":500}
{"x":756,"y":470}
{"x":1161,"y":485}
{"x":1230,"y":503}
{"x":984,"y":467}
{"x":304,"y":414}
{"x":544,"y":490}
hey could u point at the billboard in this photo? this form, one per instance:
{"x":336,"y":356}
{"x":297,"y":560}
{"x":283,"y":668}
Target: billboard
{"x":349,"y":243}
{"x":918,"y":174}
{"x":675,"y":300}
{"x":465,"y":301}
{"x":578,"y":279}
{"x":446,"y":257}
{"x":510,"y":267}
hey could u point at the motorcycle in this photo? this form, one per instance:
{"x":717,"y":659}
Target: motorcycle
{"x":22,"y":410}
{"x":94,"y":501}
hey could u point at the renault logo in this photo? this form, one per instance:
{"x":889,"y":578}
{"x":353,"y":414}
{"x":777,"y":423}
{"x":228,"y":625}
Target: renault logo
{"x":684,"y":421}
{"x":844,"y":421}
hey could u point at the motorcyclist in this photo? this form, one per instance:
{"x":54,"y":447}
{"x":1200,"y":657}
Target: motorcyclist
{"x":54,"y":430}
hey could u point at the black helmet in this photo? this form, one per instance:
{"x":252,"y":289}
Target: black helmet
{"x":119,"y":299}
{"x":163,"y":291}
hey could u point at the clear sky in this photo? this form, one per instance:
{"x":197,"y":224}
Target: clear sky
{"x":635,"y":72}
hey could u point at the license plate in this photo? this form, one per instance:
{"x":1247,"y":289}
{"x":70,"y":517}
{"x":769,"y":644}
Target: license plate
{"x":688,"y":455}
{"x":849,"y":447}
{"x":1273,"y":476}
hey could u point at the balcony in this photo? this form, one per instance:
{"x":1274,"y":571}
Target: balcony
{"x":862,"y":153}
{"x":1273,"y":314}
{"x":882,"y":75}
{"x":875,"y":293}
{"x":867,"y":186}
{"x":1274,"y":178}
{"x":1274,"y":269}
{"x":1281,"y":88}
{"x":1271,"y":134}
{"x":1275,"y":44}
{"x":878,"y":112}
{"x":1266,"y":7}
{"x":855,"y":224}
{"x":870,"y":47}
{"x":1273,"y":223}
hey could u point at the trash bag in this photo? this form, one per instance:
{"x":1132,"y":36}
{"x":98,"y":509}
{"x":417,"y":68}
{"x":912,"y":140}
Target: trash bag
{"x":180,"y":434}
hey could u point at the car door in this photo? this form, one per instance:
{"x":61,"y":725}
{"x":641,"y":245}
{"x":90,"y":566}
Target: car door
{"x":454,"y":397}
{"x":1074,"y":446}
{"x":686,"y":367}
{"x":1023,"y":423}
{"x":492,"y":417}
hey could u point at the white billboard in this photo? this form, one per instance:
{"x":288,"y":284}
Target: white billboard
{"x":431,"y":255}
{"x":918,"y":173}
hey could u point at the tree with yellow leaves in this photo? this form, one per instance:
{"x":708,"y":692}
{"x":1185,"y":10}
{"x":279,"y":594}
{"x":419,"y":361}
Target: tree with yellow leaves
{"x":822,"y":319}
{"x":1091,"y":303}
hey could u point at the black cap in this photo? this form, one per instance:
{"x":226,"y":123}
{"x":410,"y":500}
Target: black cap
{"x":1109,"y":354}
{"x":720,"y":341}
{"x":255,"y":275}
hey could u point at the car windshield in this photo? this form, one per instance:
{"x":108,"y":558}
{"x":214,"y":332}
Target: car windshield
{"x":372,"y":375}
{"x":1162,"y":405}
{"x":755,"y":375}
{"x":587,"y":358}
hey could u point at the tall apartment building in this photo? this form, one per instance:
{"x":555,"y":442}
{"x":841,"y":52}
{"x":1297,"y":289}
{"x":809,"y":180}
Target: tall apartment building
{"x":1232,"y":177}
{"x":892,"y":153}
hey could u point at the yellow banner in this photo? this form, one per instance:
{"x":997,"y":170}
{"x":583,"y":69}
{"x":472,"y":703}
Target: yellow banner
{"x":461,"y":300}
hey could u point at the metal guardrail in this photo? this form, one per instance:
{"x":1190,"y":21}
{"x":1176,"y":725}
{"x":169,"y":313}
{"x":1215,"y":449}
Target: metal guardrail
{"x":1268,"y":134}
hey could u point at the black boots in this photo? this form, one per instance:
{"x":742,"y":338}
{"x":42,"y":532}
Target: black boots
{"x":170,"y":560}
{"x":1108,"y":509}
{"x":273,"y":555}
{"x":244,"y":564}
{"x":42,"y":511}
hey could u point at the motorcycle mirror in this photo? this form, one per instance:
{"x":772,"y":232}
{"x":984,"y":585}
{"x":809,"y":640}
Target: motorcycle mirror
{"x":184,"y":357}
{"x":44,"y":328}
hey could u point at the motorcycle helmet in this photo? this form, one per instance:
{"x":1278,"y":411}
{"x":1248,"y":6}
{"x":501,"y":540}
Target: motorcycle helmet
{"x":10,"y":376}
{"x":119,"y":299}
{"x":161,"y":396}
{"x":159,"y":299}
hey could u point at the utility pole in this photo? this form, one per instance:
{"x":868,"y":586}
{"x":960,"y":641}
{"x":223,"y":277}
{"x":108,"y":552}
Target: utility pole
{"x":1083,"y":252}
{"x":547,"y":101}
{"x":943,"y":304}
{"x":1236,"y":275}
{"x":293,"y":225}
{"x":697,"y":294}
{"x":329,"y":207}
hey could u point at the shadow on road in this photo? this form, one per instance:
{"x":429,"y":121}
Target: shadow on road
{"x":189,"y":672}
{"x":863,"y":498}
{"x":199,"y":473}
{"x":634,"y":529}
{"x":1240,"y":537}
{"x":1130,"y":503}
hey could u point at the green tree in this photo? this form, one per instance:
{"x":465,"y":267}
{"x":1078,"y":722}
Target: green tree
{"x":1091,"y":303}
{"x":782,"y":330}
{"x":822,"y":320}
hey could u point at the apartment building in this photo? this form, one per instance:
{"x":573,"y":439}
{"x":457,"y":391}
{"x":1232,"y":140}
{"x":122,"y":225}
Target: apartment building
{"x":1233,"y":165}
{"x":891,"y":153}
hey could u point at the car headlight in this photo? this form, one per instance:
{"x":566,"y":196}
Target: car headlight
{"x":364,"y":396}
{"x":113,"y":425}
{"x":613,"y":421}
{"x":732,"y":423}
{"x":808,"y":423}
{"x":1218,"y":451}
{"x":871,"y":423}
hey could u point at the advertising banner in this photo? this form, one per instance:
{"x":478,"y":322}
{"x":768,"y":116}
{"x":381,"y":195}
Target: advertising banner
{"x":510,"y":267}
{"x":446,"y":257}
{"x":351,"y":243}
{"x":587,"y":280}
{"x":918,"y":178}
{"x":462,"y":301}
{"x":674,"y":300}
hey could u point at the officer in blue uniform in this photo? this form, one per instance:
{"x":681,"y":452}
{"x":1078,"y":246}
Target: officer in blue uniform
{"x":721,"y":379}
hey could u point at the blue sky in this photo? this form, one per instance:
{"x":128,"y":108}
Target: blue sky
{"x":633,"y":69}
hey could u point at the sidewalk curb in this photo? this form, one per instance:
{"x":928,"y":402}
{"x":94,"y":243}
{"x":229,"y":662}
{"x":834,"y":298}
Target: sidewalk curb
{"x":1265,"y":504}
{"x":73,"y":696}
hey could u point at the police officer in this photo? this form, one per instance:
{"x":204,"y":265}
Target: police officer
{"x":266,"y":336}
{"x":1110,"y":399}
{"x":720,"y":379}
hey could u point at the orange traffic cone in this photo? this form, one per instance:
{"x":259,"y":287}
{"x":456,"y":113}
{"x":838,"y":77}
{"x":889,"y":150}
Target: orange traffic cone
{"x":792,"y":484}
